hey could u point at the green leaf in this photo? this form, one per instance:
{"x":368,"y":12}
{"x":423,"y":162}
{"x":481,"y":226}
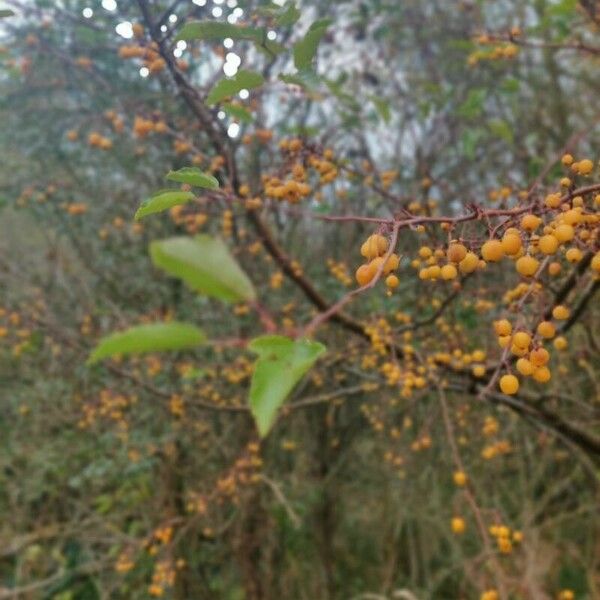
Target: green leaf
{"x":501,"y":129}
{"x":382,"y":107}
{"x":473,"y":105}
{"x":228,"y":87}
{"x":288,"y":17}
{"x":281,"y":363}
{"x":304,"y":50}
{"x":153,"y":337}
{"x":6,"y":12}
{"x":307,"y":79}
{"x":162,"y":201}
{"x":195,"y":177}
{"x":205,"y":265}
{"x":238,"y":112}
{"x":214,"y":30}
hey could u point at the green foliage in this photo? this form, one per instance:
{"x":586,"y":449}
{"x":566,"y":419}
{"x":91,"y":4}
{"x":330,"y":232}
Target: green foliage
{"x":281,"y":363}
{"x":305,"y":49}
{"x":153,"y":337}
{"x":193,"y":176}
{"x":205,"y":265}
{"x":225,"y":88}
{"x":162,"y":201}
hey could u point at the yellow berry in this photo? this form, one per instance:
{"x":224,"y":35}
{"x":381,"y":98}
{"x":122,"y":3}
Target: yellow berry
{"x":492,"y":251}
{"x":503,"y":327}
{"x":469,"y":263}
{"x":548,"y":244}
{"x":509,"y":384}
{"x":530,"y":222}
{"x":525,"y":367}
{"x":511,"y":243}
{"x":458,"y":525}
{"x":564,"y":233}
{"x":546,"y":329}
{"x":527,"y":265}
{"x":560,"y":312}
{"x":392,"y":281}
{"x":460,"y":478}
{"x":522,"y":339}
{"x":542,"y":374}
{"x":456,"y":252}
{"x":539,"y":357}
{"x":364,"y":274}
{"x":574,"y":255}
{"x":560,"y":343}
{"x":449,"y":272}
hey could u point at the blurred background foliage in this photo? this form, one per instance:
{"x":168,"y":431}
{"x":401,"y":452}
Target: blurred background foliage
{"x":144,"y":478}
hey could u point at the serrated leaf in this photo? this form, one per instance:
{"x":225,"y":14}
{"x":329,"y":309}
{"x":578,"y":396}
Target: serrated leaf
{"x":153,"y":337}
{"x":228,"y":87}
{"x":305,"y":49}
{"x":161,"y":202}
{"x":205,"y":265}
{"x":281,"y":363}
{"x":193,"y":176}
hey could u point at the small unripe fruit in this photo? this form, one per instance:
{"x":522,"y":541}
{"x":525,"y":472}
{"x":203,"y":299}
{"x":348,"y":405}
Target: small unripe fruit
{"x":509,"y":384}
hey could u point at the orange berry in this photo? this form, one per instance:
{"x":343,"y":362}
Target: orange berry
{"x":530,"y":222}
{"x":542,"y":374}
